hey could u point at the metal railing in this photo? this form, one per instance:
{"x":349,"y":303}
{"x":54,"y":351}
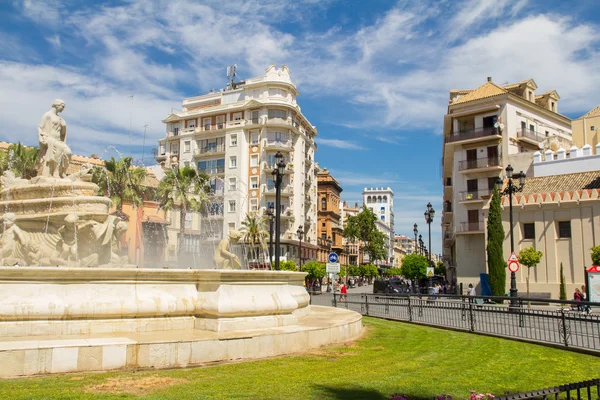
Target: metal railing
{"x":214,"y":170}
{"x":562,"y":323}
{"x":478,"y":163}
{"x":472,"y":134}
{"x":220,"y":148}
{"x":529,"y":134}
{"x":570,"y":390}
{"x":471,"y":226}
{"x":475,"y":194}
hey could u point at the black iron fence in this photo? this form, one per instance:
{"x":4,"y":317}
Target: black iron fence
{"x":580,"y":390}
{"x":563,"y":323}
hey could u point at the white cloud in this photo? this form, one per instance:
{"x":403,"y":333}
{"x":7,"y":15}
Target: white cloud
{"x":340,"y":144}
{"x":54,"y":41}
{"x":42,"y":11}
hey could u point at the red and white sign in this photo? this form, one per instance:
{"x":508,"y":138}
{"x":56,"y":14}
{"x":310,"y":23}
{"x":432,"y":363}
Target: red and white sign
{"x":594,"y":269}
{"x":513,"y":262}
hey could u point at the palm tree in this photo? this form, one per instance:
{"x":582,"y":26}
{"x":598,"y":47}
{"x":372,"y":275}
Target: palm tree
{"x":185,"y":189}
{"x":23,"y":160}
{"x":254,"y":233}
{"x":121,"y":181}
{"x":4,"y":161}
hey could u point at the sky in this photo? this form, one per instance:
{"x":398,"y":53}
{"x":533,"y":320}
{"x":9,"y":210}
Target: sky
{"x":373,"y":76}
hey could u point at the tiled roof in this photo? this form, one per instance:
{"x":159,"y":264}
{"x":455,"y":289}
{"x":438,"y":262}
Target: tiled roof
{"x":593,"y":113}
{"x":562,"y":183}
{"x":488,"y":89}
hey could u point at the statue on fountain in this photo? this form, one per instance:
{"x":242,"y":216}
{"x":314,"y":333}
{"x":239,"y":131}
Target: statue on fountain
{"x":13,"y":242}
{"x":224,"y":258}
{"x":55,"y":155}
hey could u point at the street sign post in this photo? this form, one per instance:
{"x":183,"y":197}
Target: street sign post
{"x":332,"y":268}
{"x":333,"y":258}
{"x":429,"y":272}
{"x":513,"y":262}
{"x":593,"y":283}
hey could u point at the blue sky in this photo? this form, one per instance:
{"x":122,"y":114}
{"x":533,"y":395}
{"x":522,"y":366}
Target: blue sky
{"x":373,"y":75}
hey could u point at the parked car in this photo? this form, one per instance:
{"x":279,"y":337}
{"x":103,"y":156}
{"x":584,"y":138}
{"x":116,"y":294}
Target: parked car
{"x":389,"y":286}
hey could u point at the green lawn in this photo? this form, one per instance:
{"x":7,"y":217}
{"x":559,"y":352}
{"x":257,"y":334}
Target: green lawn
{"x":392,"y":357}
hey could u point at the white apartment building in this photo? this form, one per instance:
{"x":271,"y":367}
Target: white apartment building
{"x":485,"y":130}
{"x":381,"y":202}
{"x":233,"y":135}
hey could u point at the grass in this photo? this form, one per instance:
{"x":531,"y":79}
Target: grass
{"x":393,"y":357}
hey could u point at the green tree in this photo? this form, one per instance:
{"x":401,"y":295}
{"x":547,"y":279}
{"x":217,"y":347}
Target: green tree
{"x":354,"y":270}
{"x":530,"y":257}
{"x":440,"y":269}
{"x":362,"y":226}
{"x":495,"y":231}
{"x":255,"y":234}
{"x":595,"y":255}
{"x":121,"y":181}
{"x":22,"y":160}
{"x":4,"y":161}
{"x":394,"y":272}
{"x":563,"y":286}
{"x":289,"y":265}
{"x":414,"y":266}
{"x":186,"y":190}
{"x":314,"y":270}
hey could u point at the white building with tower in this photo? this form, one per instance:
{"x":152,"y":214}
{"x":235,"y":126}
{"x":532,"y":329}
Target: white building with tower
{"x":381,"y":202}
{"x":233,"y":135}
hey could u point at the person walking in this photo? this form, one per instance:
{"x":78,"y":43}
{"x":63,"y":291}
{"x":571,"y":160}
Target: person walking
{"x":344,"y":291}
{"x":470,"y":292}
{"x":578,"y":296}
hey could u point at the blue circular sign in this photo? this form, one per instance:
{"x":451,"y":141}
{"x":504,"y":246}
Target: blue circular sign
{"x":333,"y":258}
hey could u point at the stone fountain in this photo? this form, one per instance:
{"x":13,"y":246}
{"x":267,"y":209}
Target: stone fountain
{"x":69,"y":302}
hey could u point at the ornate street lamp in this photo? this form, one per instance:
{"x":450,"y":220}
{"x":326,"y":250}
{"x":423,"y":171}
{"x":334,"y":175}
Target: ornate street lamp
{"x":271,"y":216}
{"x":429,"y":213}
{"x":509,"y":191}
{"x":278,"y":179}
{"x":300,"y":234}
{"x":421,"y":244}
{"x":415,"y":231}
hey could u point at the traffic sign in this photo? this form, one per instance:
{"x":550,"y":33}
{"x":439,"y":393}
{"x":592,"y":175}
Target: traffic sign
{"x":429,"y":271}
{"x":333,"y":258}
{"x":332,"y":267}
{"x":513,"y":262}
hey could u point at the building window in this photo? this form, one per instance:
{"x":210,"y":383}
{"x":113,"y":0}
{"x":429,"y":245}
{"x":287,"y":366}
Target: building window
{"x":383,"y":217}
{"x":188,"y":221}
{"x":564,"y":229}
{"x":174,"y":148}
{"x":254,"y":160}
{"x":529,"y":231}
{"x":254,"y":137}
{"x":382,"y":210}
{"x":253,"y":205}
{"x":237,"y":116}
{"x":231,"y":206}
{"x":232,"y":184}
{"x":531,"y":128}
{"x":231,"y":226}
{"x":191,"y":124}
{"x":186,"y":146}
{"x":547,"y":133}
{"x":207,"y":123}
{"x":233,"y":140}
{"x":323,"y":203}
{"x":233,"y":162}
{"x":254,"y":115}
{"x":275,"y":113}
{"x":254,"y":182}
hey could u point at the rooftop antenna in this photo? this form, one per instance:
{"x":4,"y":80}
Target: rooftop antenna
{"x":231,"y":73}
{"x":130,"y":120}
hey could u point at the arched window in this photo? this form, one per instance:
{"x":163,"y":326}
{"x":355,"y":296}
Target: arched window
{"x":385,"y":199}
{"x":323,"y":203}
{"x":368,"y":199}
{"x":379,"y":199}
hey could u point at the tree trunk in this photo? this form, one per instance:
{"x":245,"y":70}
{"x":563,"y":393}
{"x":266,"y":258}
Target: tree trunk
{"x":528,"y":303}
{"x":182,"y":215}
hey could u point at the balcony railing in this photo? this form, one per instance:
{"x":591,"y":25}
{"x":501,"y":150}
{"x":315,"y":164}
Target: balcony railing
{"x":276,"y":144}
{"x":475,"y":194}
{"x":471,"y":226}
{"x":210,"y":149}
{"x":284,"y":190}
{"x":478,"y":163}
{"x":529,"y":134}
{"x":472,"y":134}
{"x":213,"y":170}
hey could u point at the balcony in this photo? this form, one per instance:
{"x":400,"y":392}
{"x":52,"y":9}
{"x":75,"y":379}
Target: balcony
{"x":289,"y":168}
{"x":162,"y":156}
{"x":480,"y":164}
{"x":213,"y":170}
{"x":308,"y":161}
{"x":279,"y":122}
{"x":210,"y":150}
{"x":277,"y":145}
{"x":287,"y":190}
{"x":174,"y":133}
{"x":474,"y":135}
{"x":448,"y":237}
{"x":475,"y":195}
{"x":530,"y":136}
{"x":471,"y":227}
{"x":214,"y":127}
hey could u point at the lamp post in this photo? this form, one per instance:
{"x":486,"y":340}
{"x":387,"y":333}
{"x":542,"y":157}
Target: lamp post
{"x":415,"y":231}
{"x":300,"y":234}
{"x":278,"y":179}
{"x":509,"y":191}
{"x":271,"y":216}
{"x":421,"y":244}
{"x":429,"y":213}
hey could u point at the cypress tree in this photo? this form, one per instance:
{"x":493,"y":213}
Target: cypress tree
{"x":495,"y":239}
{"x":563,"y":286}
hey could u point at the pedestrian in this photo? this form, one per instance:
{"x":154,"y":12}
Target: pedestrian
{"x":584,"y":298}
{"x":578,"y":296}
{"x":470,"y":292}
{"x":344,"y":291}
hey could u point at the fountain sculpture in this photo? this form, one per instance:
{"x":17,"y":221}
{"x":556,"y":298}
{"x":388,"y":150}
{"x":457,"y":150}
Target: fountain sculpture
{"x":69,"y":303}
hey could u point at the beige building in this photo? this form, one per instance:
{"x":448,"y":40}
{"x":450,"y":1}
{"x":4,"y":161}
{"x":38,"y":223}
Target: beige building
{"x":355,"y":256}
{"x":486,"y":129}
{"x":586,"y":127}
{"x":329,"y":225}
{"x":233,"y":135}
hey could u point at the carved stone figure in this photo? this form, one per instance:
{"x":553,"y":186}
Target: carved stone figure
{"x":55,"y":155}
{"x":9,"y":180}
{"x":67,"y":248}
{"x":13,"y":242}
{"x":224,"y":258}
